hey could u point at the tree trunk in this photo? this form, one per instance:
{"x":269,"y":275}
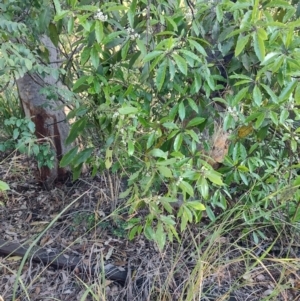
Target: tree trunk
{"x":48,"y":115}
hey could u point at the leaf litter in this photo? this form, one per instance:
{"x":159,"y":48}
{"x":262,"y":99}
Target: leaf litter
{"x":212,"y":262}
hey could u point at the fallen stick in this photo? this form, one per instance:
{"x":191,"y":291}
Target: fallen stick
{"x":60,"y":261}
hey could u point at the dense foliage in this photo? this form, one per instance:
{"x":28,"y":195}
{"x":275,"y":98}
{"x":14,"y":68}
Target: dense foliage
{"x":158,"y":87}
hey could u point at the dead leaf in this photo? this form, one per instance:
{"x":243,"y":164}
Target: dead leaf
{"x":245,"y":130}
{"x":14,"y":258}
{"x":109,"y":253}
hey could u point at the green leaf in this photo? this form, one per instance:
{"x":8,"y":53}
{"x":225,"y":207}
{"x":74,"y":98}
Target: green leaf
{"x":161,"y":75}
{"x":259,"y":47}
{"x":178,"y":141}
{"x":150,"y":140}
{"x":214,"y":177}
{"x":57,"y":6}
{"x":82,"y":156}
{"x":181,"y":63}
{"x":3,"y":186}
{"x":31,"y":126}
{"x":262,"y":33}
{"x":243,"y":168}
{"x":197,"y":82}
{"x":196,"y":205}
{"x":257,"y":97}
{"x":151,"y":55}
{"x":270,"y":92}
{"x":166,"y":162}
{"x":130,"y":146}
{"x":181,"y":111}
{"x":195,"y":121}
{"x":85,"y":55}
{"x":240,"y":95}
{"x":190,"y":54}
{"x":79,"y":82}
{"x":142,"y":47}
{"x":260,"y":119}
{"x":128,"y":110}
{"x":172,"y":70}
{"x":160,"y":236}
{"x":284,"y":116}
{"x":124,"y":50}
{"x":193,"y":105}
{"x":53,"y":34}
{"x":70,"y":25}
{"x":28,"y":64}
{"x":198,"y":47}
{"x":240,"y":45}
{"x":16,"y":134}
{"x":202,"y":186}
{"x":68,"y":157}
{"x":210,"y":214}
{"x":186,"y":187}
{"x":165,"y":171}
{"x":219,"y":13}
{"x":108,"y":158}
{"x":156,"y":152}
{"x":287,"y":91}
{"x":95,"y":57}
{"x":171,"y":21}
{"x":170,"y":125}
{"x":274,"y":117}
{"x":99,"y":31}
{"x":76,"y":129}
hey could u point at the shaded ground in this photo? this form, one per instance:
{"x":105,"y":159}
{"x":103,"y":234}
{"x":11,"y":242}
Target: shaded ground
{"x":211,"y":260}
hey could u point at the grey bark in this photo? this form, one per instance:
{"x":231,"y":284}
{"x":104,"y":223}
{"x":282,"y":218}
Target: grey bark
{"x":48,"y":115}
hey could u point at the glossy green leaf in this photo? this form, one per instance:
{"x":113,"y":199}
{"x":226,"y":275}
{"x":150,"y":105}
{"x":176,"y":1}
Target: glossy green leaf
{"x":68,"y":157}
{"x":196,"y":205}
{"x":287,"y":91}
{"x":240,"y":95}
{"x":284,"y":116}
{"x":170,"y":125}
{"x":195,"y":121}
{"x":95,"y":57}
{"x":151,"y":140}
{"x":203,"y":187}
{"x":130,"y":148}
{"x":181,"y":111}
{"x":53,"y":34}
{"x":160,"y":236}
{"x":3,"y":186}
{"x":158,"y":153}
{"x":82,"y":156}
{"x":76,"y":129}
{"x":214,"y":177}
{"x":178,"y":142}
{"x":274,"y":117}
{"x":193,"y":105}
{"x":161,"y":75}
{"x":165,"y":171}
{"x":259,"y":47}
{"x":240,"y":45}
{"x":150,"y":56}
{"x":128,"y":110}
{"x":181,"y":63}
{"x":99,"y":31}
{"x":210,"y":214}
{"x":257,"y":96}
{"x":186,"y":187}
{"x":200,"y":49}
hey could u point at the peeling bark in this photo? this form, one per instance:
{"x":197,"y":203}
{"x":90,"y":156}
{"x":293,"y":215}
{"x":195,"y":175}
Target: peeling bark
{"x":48,"y":115}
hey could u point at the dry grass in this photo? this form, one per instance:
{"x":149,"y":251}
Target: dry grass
{"x":217,"y":261}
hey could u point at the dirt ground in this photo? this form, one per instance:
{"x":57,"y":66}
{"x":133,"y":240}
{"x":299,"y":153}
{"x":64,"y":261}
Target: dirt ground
{"x":212,"y":262}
